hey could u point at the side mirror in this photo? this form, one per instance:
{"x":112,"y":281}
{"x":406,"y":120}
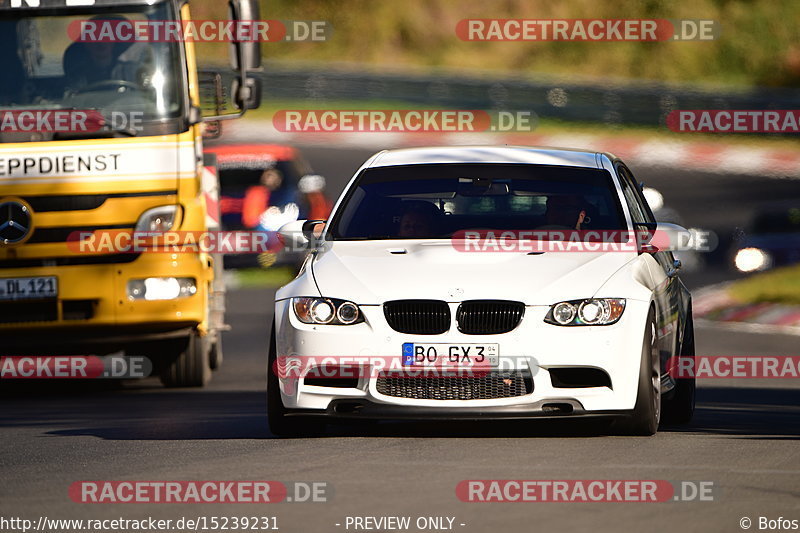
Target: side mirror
{"x":292,"y":235}
{"x":299,"y":235}
{"x":309,"y":229}
{"x":222,"y":97}
{"x":245,"y":56}
{"x":670,"y":237}
{"x":249,"y":96}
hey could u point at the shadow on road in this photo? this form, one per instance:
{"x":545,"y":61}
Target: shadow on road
{"x":110,"y":412}
{"x":157,"y":414}
{"x":755,"y":413}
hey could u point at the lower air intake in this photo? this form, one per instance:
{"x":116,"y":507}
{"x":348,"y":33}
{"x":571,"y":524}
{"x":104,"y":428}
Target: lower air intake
{"x":489,"y":387}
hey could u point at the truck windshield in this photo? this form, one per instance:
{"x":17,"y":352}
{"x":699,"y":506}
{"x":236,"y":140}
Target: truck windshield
{"x":129,"y":87}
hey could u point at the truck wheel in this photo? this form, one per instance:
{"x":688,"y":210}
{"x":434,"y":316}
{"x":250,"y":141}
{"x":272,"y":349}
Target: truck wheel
{"x":215,"y":357}
{"x":647,"y":411}
{"x":191,"y":366}
{"x":679,"y":409}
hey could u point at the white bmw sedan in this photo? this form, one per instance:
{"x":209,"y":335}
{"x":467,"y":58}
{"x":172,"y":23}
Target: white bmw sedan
{"x":448,"y":283}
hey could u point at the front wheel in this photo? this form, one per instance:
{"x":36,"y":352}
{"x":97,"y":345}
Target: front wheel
{"x":647,"y":411}
{"x":280,"y":424}
{"x":189,"y":362}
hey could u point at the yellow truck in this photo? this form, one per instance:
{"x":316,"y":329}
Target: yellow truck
{"x":108,"y":136}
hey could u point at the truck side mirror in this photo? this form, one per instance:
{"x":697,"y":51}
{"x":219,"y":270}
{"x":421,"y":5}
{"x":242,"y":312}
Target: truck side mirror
{"x":250,"y":98}
{"x":245,"y":56}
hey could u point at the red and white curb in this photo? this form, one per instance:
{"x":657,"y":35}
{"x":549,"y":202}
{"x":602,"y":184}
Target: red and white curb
{"x":714,"y":306}
{"x":704,"y":156}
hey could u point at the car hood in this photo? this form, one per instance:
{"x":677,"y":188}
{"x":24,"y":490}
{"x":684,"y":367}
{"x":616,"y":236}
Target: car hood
{"x":377,"y":271}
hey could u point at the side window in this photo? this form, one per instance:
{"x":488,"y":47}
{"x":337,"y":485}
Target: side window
{"x":629,"y":191}
{"x":648,"y":213}
{"x":636,"y":200}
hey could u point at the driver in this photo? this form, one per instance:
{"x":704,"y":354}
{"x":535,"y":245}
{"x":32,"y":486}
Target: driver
{"x":566,"y":211}
{"x":419,"y":220}
{"x":88,"y":63}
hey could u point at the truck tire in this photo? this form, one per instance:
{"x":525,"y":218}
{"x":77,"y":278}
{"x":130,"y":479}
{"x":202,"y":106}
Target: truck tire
{"x":191,"y":366}
{"x":215,"y":357}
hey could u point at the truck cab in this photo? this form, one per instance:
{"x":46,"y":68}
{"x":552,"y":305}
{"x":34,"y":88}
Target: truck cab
{"x":100,"y":136}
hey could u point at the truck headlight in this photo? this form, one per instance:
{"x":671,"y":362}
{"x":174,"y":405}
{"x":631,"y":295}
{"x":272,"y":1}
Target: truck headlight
{"x":152,"y":289}
{"x":160,"y":218}
{"x":326,"y":311}
{"x":590,"y":312}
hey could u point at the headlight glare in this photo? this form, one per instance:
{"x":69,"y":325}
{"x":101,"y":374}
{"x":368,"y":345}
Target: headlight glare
{"x":153,"y":289}
{"x":312,"y":310}
{"x":589,"y":312}
{"x":322,"y":311}
{"x":752,"y":260}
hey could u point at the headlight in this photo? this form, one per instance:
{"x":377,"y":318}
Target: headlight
{"x":564,"y":313}
{"x":752,"y":259}
{"x":161,"y":288}
{"x":591,"y":312}
{"x":326,"y":311}
{"x":157,"y":219}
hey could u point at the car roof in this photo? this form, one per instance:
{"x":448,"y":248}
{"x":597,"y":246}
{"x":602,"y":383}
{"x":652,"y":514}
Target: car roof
{"x":488,"y":154}
{"x":231,"y":153}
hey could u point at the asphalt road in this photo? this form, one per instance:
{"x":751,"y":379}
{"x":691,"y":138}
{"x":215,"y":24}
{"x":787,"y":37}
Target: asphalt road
{"x":743,"y":439}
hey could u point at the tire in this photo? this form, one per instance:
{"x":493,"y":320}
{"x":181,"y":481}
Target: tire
{"x":191,"y":366}
{"x":215,"y":356}
{"x":679,"y":408}
{"x":647,"y":410}
{"x":280,"y":424}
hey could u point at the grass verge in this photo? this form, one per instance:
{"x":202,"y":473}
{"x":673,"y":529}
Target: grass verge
{"x":781,"y":285}
{"x":544,"y":126}
{"x":263,"y":277}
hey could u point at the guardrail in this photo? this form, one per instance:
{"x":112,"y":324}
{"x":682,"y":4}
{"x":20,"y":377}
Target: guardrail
{"x":636,"y":104}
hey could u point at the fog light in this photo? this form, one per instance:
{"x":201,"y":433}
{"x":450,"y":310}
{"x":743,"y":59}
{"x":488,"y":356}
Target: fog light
{"x":152,"y":289}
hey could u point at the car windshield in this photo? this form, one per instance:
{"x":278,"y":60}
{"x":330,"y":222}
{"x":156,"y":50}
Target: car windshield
{"x":438,"y":200}
{"x":132,"y":85}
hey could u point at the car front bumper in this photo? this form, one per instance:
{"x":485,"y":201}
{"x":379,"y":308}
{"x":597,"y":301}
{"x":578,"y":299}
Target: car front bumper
{"x":534,"y":348}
